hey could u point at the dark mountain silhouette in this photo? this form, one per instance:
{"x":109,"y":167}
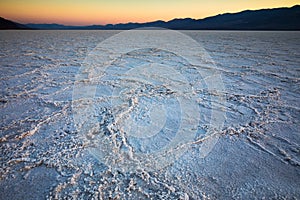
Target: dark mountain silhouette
{"x":265,"y":19}
{"x":49,"y":26}
{"x":7,"y":24}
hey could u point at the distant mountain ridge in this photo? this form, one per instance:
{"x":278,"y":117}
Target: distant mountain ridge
{"x":264,"y":19}
{"x":7,"y":24}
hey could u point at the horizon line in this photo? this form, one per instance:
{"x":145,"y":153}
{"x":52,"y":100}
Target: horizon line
{"x":57,"y":23}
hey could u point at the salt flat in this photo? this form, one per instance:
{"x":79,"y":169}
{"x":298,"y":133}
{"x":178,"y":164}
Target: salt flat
{"x":184,"y":115}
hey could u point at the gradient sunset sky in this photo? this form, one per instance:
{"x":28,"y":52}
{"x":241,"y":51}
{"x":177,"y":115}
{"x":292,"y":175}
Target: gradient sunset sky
{"x":87,"y":12}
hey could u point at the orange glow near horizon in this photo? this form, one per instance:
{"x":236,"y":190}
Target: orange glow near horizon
{"x":80,"y":12}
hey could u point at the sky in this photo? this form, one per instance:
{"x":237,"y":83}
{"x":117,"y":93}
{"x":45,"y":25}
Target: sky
{"x":88,"y":12}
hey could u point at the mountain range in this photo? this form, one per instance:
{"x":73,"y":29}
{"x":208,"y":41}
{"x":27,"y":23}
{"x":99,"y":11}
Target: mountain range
{"x":7,"y":24}
{"x":264,"y":19}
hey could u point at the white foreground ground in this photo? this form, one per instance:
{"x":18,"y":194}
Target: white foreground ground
{"x":44,"y":154}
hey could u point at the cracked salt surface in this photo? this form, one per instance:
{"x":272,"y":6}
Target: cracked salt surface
{"x":44,"y":155}
{"x":148,"y":65}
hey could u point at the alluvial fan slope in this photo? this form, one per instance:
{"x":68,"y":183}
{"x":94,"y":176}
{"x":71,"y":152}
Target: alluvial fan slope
{"x":43,"y":155}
